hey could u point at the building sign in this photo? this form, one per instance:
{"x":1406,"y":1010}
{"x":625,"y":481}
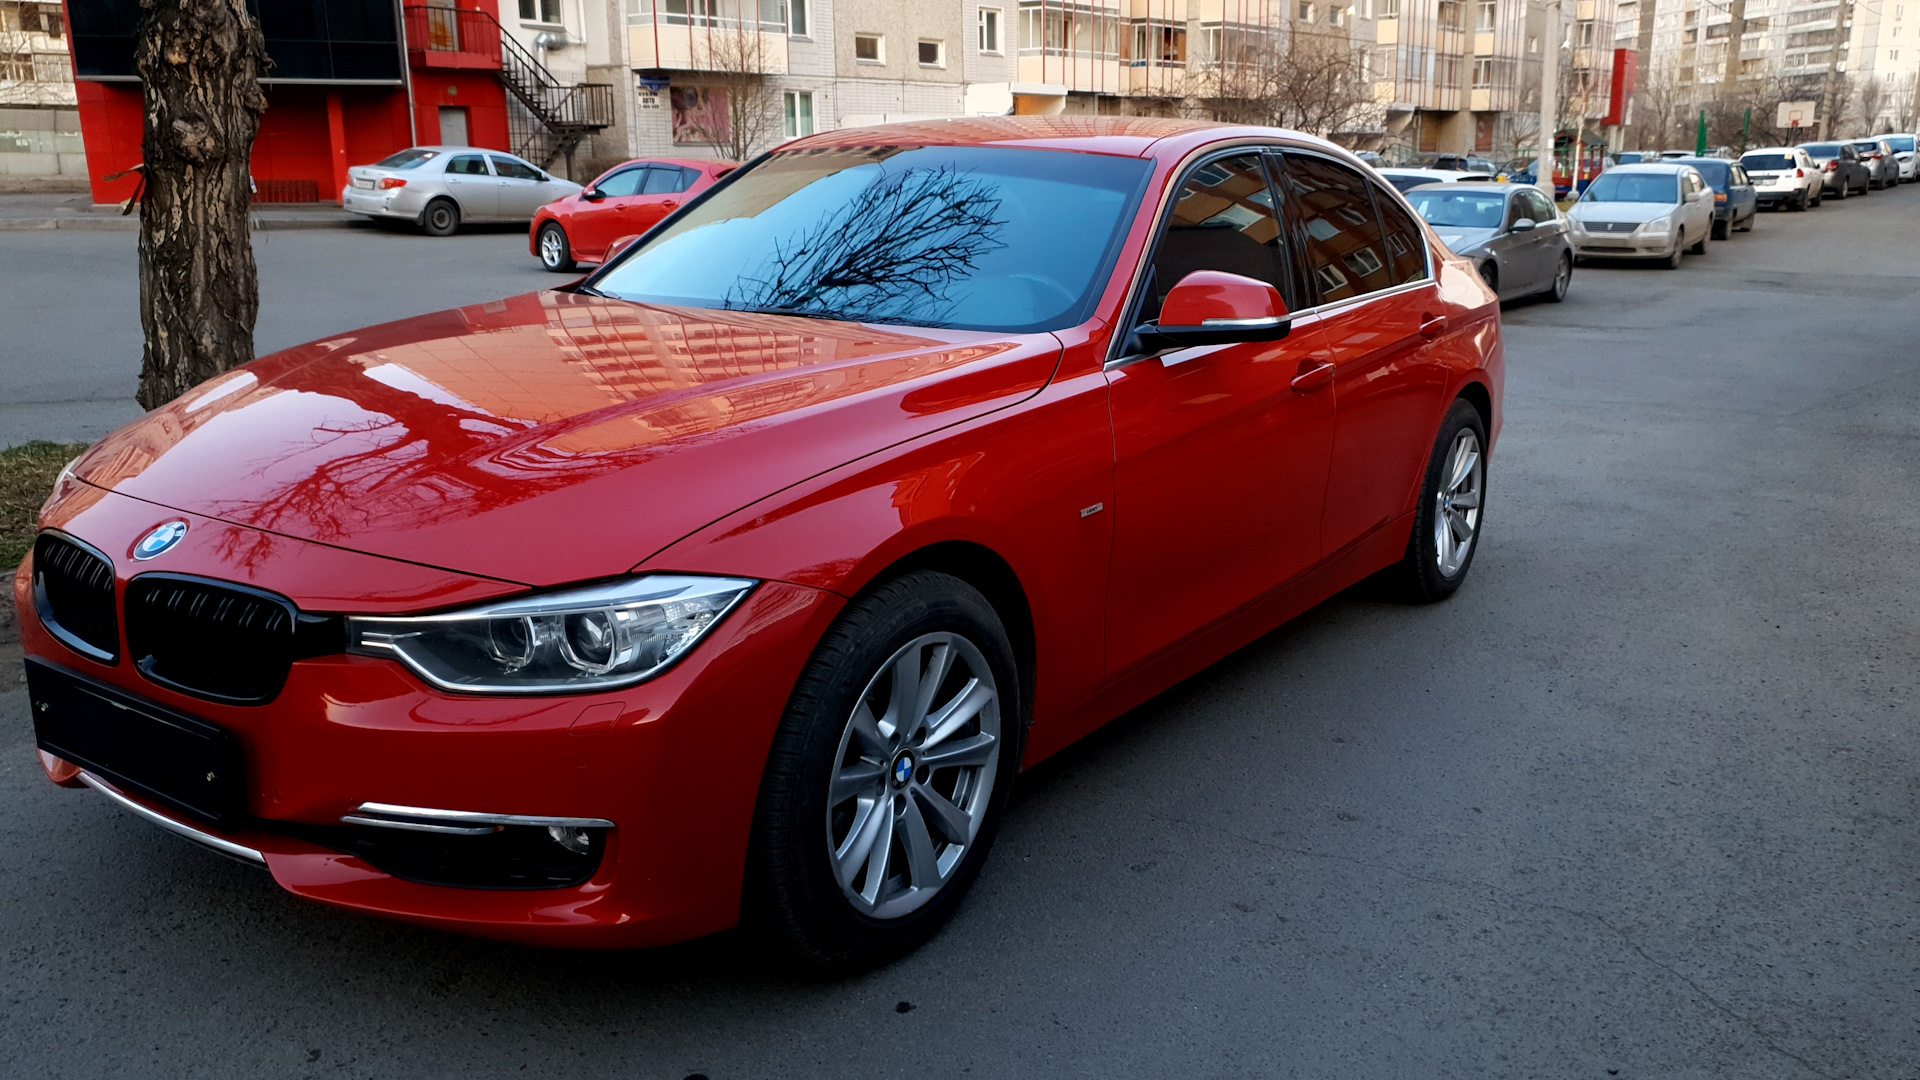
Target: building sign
{"x":700,"y":115}
{"x":1626,"y":68}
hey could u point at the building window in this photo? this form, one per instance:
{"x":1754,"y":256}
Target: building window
{"x":1336,"y":15}
{"x":1388,"y":9}
{"x":1583,"y":34}
{"x":797,"y":18}
{"x":1306,"y":12}
{"x":540,"y":11}
{"x":1482,"y":73}
{"x":799,"y":113}
{"x":1449,"y":14}
{"x":1483,"y":22}
{"x":990,"y":30}
{"x":933,"y":54}
{"x":1533,"y":43}
{"x":869,"y":49}
{"x":1892,"y":54}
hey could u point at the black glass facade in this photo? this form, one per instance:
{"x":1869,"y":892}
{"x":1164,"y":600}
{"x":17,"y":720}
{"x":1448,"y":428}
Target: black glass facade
{"x":307,"y":40}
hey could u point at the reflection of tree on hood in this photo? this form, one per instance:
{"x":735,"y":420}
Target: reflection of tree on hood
{"x":898,"y":246}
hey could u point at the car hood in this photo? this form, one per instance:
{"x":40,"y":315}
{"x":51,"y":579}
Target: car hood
{"x":553,"y":437}
{"x":1460,"y":241}
{"x":1621,"y":211}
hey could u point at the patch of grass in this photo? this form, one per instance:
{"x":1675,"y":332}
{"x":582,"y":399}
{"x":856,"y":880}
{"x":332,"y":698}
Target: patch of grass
{"x":26,"y":476}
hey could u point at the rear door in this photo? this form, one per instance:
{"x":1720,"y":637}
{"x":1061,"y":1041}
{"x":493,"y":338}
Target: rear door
{"x":1380,"y":315}
{"x":472,"y":185}
{"x":660,"y":196}
{"x":1220,"y":466}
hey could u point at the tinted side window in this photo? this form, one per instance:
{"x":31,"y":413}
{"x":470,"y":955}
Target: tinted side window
{"x":1345,"y":250}
{"x":515,"y":168}
{"x":1224,"y":220}
{"x":663,"y":180}
{"x":467,"y":165}
{"x":1538,"y":208}
{"x":1406,"y":245}
{"x":623,"y":183}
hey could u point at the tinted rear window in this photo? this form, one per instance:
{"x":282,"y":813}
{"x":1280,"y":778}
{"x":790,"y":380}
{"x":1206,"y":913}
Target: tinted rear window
{"x":973,"y":238}
{"x":408,"y":159}
{"x":1822,"y":149}
{"x":1901,"y":143}
{"x":1766,"y":162}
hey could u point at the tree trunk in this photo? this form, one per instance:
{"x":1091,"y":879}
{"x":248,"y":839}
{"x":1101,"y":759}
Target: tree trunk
{"x":200,"y":61}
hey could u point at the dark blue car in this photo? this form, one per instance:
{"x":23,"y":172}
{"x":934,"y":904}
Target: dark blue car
{"x":1735,"y":202}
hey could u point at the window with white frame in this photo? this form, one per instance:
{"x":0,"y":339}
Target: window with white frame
{"x":540,"y":11}
{"x":799,"y":113}
{"x":1336,"y":16}
{"x":1387,"y":9}
{"x":797,"y":17}
{"x":1483,"y":22}
{"x":1483,"y":73}
{"x":990,"y":30}
{"x":1306,"y":11}
{"x":932,"y":53}
{"x":869,"y":48}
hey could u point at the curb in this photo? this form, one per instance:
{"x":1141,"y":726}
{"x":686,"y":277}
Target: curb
{"x":132,"y":224}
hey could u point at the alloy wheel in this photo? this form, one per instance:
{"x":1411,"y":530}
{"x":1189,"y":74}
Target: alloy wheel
{"x":914,"y":775}
{"x":1456,"y":512}
{"x":550,"y":252}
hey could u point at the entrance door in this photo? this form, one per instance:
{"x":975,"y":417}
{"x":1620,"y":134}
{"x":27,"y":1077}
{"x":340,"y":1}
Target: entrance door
{"x":453,"y":125}
{"x":1220,"y":461}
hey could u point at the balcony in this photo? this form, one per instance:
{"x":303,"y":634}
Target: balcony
{"x":444,"y":37}
{"x":708,"y":35}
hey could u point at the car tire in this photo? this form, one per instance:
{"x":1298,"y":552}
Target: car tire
{"x":556,"y":253}
{"x":1562,"y":279}
{"x":1490,"y":273}
{"x":1672,"y":261}
{"x":811,"y":888}
{"x":1800,"y":206}
{"x":1427,"y":573}
{"x":1700,"y":246}
{"x":1751,"y":218}
{"x":440,"y":218}
{"x":1846,"y":188}
{"x":1720,"y":230}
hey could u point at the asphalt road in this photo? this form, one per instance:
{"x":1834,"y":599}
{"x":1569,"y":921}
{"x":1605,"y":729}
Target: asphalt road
{"x":1641,"y":801}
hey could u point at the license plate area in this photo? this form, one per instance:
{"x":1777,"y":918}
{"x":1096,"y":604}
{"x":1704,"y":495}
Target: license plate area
{"x":174,"y":760}
{"x":362,"y":182}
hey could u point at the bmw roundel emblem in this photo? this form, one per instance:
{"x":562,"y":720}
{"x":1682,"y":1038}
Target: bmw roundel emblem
{"x":160,"y":541}
{"x":903,"y":769}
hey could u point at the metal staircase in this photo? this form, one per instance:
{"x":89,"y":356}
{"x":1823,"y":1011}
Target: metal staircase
{"x":552,"y":119}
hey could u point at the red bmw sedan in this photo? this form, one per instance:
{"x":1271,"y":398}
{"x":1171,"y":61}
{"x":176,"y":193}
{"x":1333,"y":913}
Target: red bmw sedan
{"x":738,"y":581}
{"x":629,"y":200}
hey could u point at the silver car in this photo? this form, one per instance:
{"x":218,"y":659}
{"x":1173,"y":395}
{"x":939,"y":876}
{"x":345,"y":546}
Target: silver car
{"x":1511,"y":232}
{"x":1653,"y":211}
{"x":438,"y":187}
{"x":1883,"y":164}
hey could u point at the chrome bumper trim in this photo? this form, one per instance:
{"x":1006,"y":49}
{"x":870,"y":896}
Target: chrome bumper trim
{"x":457,"y":822}
{"x":224,"y":847}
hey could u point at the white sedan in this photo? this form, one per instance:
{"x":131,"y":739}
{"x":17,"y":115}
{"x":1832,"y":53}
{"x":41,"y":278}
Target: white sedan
{"x":1652,"y":211}
{"x":1408,"y":179}
{"x":438,"y":187}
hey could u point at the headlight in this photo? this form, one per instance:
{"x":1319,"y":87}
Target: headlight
{"x":592,"y":638}
{"x":1659,"y":226}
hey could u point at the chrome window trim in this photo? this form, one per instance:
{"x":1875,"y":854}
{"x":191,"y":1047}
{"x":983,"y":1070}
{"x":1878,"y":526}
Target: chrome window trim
{"x":181,"y":828}
{"x":459,"y":822}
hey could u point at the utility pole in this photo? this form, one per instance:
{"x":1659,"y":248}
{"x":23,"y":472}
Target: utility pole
{"x":1549,"y":98}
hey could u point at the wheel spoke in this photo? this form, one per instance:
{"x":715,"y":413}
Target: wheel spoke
{"x":1467,"y":500}
{"x":866,"y":729}
{"x":906,"y":689}
{"x":860,"y":778}
{"x":867,"y":827}
{"x":953,"y":822}
{"x":939,"y":662}
{"x":880,"y":854}
{"x":923,"y":855}
{"x":957,"y":713}
{"x":970,"y":752}
{"x":1462,"y":530}
{"x":1464,"y":461}
{"x":1443,"y":540}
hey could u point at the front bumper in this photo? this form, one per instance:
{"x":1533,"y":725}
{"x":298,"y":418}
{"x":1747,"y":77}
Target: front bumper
{"x":674,"y":764}
{"x":1622,"y":245}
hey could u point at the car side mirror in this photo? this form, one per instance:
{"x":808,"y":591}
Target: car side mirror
{"x":1212,"y":307}
{"x":1525,"y":224}
{"x":543,"y":178}
{"x":618,"y":247}
{"x":593,"y":194}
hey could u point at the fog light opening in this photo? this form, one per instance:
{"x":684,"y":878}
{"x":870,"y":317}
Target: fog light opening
{"x":575,"y":840}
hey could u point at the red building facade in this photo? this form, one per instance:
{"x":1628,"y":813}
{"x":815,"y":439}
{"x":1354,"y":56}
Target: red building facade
{"x":331,"y":101}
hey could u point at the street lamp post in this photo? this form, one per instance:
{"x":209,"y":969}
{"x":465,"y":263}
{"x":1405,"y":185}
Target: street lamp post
{"x":1549,"y":98}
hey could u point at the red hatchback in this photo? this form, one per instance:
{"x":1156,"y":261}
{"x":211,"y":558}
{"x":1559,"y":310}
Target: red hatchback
{"x":739,"y":580}
{"x":629,"y":200}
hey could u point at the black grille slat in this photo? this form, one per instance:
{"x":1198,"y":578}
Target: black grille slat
{"x":73,"y":592}
{"x":217,"y":641}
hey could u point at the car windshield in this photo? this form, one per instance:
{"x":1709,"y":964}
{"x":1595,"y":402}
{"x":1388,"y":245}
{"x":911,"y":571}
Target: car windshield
{"x":1766,"y":161}
{"x":408,"y":159}
{"x":1466,"y":209}
{"x":1822,"y":150}
{"x":1900,"y":143}
{"x":971,"y":238}
{"x":1633,"y":187}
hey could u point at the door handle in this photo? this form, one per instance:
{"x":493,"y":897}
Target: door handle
{"x":670,"y":205}
{"x":1432,"y":326}
{"x":1313,"y":375}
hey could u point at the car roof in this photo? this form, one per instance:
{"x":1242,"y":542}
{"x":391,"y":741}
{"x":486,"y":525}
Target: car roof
{"x":1438,"y":174}
{"x":702,"y":164}
{"x":1771,"y":150}
{"x":1506,"y":187}
{"x":1123,"y":136}
{"x":1667,"y":166}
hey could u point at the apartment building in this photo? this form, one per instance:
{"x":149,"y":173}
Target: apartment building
{"x":39,"y":123}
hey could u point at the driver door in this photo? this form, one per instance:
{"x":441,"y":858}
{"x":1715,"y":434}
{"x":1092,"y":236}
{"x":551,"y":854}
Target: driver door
{"x":599,"y":222}
{"x":1221,"y":452}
